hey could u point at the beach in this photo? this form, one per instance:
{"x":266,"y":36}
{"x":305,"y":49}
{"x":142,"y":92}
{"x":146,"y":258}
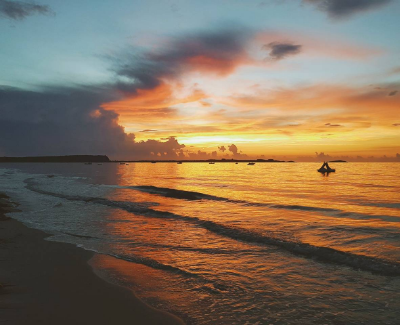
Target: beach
{"x":44,"y":282}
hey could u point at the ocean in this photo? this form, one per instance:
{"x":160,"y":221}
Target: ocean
{"x":273,"y":243}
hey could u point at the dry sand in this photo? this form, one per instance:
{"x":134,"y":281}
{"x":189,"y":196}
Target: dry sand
{"x":44,"y":282}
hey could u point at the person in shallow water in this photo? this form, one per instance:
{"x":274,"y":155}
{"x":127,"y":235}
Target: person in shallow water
{"x":325,"y":165}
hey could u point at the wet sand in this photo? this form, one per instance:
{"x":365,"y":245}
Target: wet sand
{"x":43,"y":282}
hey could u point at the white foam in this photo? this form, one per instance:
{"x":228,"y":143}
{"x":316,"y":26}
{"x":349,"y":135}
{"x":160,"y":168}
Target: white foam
{"x":55,"y":215}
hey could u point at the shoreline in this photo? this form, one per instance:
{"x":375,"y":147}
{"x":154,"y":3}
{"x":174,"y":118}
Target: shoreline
{"x":45,"y":282}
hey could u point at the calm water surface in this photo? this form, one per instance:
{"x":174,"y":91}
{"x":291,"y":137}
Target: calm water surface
{"x":273,"y":243}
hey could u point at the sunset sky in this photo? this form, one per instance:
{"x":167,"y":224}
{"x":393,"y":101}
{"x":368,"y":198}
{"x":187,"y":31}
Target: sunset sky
{"x":174,"y":78}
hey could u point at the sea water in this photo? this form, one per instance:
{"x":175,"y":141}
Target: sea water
{"x":273,"y":243}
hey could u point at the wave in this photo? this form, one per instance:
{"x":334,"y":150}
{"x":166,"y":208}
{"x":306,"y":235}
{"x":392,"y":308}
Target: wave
{"x":318,"y":253}
{"x":191,"y":195}
{"x":322,"y":254}
{"x":156,"y":265}
{"x":211,"y":286}
{"x":79,"y":236}
{"x":177,"y":194}
{"x":287,"y":207}
{"x":390,"y":205}
{"x":213,"y":251}
{"x":367,"y":216}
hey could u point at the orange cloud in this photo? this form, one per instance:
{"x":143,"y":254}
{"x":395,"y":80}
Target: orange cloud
{"x":219,"y":66}
{"x":153,"y":105}
{"x":321,"y":99}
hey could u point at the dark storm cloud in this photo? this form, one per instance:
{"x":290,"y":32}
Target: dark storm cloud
{"x":393,"y":93}
{"x":19,"y":10}
{"x":59,"y":121}
{"x":338,"y":9}
{"x":214,"y":52}
{"x":278,"y":50}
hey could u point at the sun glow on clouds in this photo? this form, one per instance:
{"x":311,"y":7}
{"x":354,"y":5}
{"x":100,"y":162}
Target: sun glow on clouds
{"x":139,"y":81}
{"x":198,"y":90}
{"x":198,"y":140}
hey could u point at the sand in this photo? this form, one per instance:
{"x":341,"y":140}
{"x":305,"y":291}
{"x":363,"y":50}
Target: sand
{"x":43,"y":282}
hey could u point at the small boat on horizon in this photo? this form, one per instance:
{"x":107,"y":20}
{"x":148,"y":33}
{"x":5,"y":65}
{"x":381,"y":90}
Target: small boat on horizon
{"x":179,"y":162}
{"x":251,"y":163}
{"x":122,"y":163}
{"x":87,"y":163}
{"x":211,"y":163}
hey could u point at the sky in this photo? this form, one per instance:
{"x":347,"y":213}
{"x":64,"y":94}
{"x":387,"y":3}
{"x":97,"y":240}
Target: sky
{"x":180,"y":79}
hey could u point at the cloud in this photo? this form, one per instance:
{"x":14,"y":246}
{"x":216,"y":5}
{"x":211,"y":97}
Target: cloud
{"x":222,"y":148}
{"x":339,"y":9}
{"x":151,"y":82}
{"x":218,"y":53}
{"x":19,"y":10}
{"x":152,"y":104}
{"x":232,"y":148}
{"x":237,"y":155}
{"x":396,"y":124}
{"x":312,"y":98}
{"x":393,"y":93}
{"x":322,"y":157}
{"x":58,"y":121}
{"x":279,"y":51}
{"x":312,"y":108}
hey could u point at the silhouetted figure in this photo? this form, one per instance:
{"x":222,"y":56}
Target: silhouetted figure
{"x":326,"y":168}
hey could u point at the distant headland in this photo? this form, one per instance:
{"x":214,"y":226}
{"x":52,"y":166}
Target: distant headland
{"x":63,"y":159}
{"x":104,"y":159}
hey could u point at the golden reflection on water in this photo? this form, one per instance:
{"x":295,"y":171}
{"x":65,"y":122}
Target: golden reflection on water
{"x":358,"y":192}
{"x":283,"y":201}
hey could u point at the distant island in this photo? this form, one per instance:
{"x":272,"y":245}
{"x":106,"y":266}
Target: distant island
{"x":53,"y":159}
{"x":338,"y":161}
